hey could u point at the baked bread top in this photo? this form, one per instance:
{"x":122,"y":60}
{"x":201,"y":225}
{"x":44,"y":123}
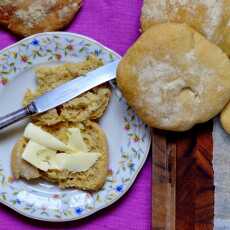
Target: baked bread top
{"x":174,"y":78}
{"x":26,"y":17}
{"x":209,"y":17}
{"x":225,"y":118}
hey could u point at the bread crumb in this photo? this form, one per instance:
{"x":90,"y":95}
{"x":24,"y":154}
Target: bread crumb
{"x":89,"y":105}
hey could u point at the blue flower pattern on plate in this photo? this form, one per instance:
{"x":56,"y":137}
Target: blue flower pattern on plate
{"x":119,"y":188}
{"x":78,"y":211}
{"x":35,"y":42}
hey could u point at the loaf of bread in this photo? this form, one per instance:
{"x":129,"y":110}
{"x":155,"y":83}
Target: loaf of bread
{"x":225,"y":118}
{"x":26,"y":17}
{"x":209,"y":17}
{"x":174,"y":78}
{"x":91,"y":180}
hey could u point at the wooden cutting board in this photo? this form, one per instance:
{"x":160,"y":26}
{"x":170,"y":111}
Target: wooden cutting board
{"x":182,"y":179}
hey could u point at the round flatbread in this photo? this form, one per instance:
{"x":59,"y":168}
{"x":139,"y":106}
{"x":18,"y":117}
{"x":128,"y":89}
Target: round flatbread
{"x":225,"y":118}
{"x":174,"y":78}
{"x":210,"y":17}
{"x":26,"y":17}
{"x":91,"y":180}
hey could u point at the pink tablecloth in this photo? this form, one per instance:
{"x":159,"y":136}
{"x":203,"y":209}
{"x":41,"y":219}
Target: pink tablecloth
{"x":115,"y":23}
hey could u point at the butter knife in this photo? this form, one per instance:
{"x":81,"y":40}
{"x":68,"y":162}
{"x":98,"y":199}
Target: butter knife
{"x":63,"y":93}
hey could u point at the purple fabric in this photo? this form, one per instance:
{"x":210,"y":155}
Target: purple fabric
{"x":116,"y":25}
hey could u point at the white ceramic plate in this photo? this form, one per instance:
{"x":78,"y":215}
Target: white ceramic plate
{"x":128,"y":137}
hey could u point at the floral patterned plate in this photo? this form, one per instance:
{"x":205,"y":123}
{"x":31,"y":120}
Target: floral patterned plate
{"x":128,"y":137}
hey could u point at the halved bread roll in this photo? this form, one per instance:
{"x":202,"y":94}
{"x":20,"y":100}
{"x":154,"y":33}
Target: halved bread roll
{"x":92,"y":179}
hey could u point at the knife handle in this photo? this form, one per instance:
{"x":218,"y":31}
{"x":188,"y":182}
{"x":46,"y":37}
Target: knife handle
{"x":17,"y":115}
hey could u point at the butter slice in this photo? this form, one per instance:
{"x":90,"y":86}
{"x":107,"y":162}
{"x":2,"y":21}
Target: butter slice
{"x":39,"y":156}
{"x":44,"y":138}
{"x":75,"y":140}
{"x":77,"y":162}
{"x":41,"y":151}
{"x":47,"y":159}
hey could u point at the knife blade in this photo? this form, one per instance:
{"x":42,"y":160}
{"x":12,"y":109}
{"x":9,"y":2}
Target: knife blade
{"x":63,"y":93}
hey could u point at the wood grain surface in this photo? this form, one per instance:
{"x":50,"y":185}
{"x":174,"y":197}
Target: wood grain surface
{"x":182,"y":179}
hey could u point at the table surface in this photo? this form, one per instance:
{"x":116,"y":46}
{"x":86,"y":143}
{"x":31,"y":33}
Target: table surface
{"x":116,"y":25}
{"x":183,"y":179}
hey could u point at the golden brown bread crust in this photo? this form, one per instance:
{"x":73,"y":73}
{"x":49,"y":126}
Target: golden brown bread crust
{"x":210,"y":18}
{"x":91,"y":180}
{"x":20,"y":168}
{"x":174,"y":78}
{"x":27,"y":17}
{"x":7,"y":10}
{"x":225,"y":118}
